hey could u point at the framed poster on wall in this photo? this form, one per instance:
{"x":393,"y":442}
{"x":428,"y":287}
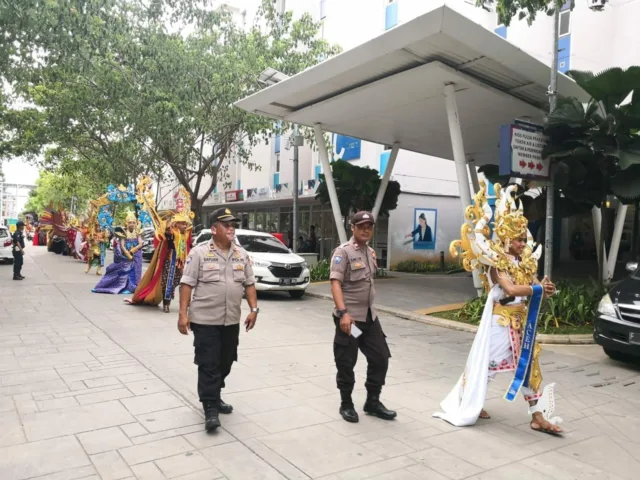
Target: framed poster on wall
{"x":425,"y":223}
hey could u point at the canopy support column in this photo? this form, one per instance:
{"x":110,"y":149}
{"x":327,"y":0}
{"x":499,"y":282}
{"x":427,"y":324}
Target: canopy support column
{"x":473,"y":173}
{"x":457,"y":146}
{"x":385,"y":180}
{"x":331,"y":186}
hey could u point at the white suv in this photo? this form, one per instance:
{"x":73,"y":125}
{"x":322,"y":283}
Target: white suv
{"x":275,"y":267}
{"x":6,"y":255}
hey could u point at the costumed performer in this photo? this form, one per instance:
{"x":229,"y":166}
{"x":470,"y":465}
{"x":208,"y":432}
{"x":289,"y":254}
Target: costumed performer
{"x":173,"y":243}
{"x":97,"y":237}
{"x":123,"y":275}
{"x":505,"y":341}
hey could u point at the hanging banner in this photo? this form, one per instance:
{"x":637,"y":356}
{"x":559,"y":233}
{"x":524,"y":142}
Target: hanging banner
{"x":234,"y":196}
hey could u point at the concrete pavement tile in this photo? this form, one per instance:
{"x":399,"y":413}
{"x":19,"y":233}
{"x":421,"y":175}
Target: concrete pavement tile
{"x":148,"y":452}
{"x":42,"y":425}
{"x":167,"y":419}
{"x":388,"y":447}
{"x":259,"y":401}
{"x":101,"y":382}
{"x":104,"y":440}
{"x":318,"y":450}
{"x":202,"y":439}
{"x":281,"y":464}
{"x":449,"y":465}
{"x":11,"y":432}
{"x":148,"y":471}
{"x":601,"y":453}
{"x":480,"y":448}
{"x":109,"y":372}
{"x":152,"y":437}
{"x":52,"y":386}
{"x":134,"y":429}
{"x":56,"y":404}
{"x":414,"y":472}
{"x":73,"y":474}
{"x":54,"y":360}
{"x":111,"y":466}
{"x":6,"y":404}
{"x":301,"y":391}
{"x":28,"y":377}
{"x":183,"y":464}
{"x":103,"y":396}
{"x":509,"y":472}
{"x":56,"y":455}
{"x":137,"y":377}
{"x":236,"y":462}
{"x":245,"y":430}
{"x":25,"y":403}
{"x":417,"y":437}
{"x":374,"y":469}
{"x":8,"y":362}
{"x":564,"y":467}
{"x":146,"y":387}
{"x":288,"y":418}
{"x":152,"y":403}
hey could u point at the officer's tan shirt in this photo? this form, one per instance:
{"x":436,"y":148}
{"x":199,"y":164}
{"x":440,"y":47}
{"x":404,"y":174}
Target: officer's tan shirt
{"x":217,"y":282}
{"x":355,"y":266}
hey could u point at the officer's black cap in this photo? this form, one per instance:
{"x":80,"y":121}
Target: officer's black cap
{"x":362,"y":217}
{"x":223,"y":215}
{"x":20,"y":224}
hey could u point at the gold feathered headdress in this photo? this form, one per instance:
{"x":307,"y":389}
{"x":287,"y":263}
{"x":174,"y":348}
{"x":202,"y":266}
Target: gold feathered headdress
{"x":183,"y":207}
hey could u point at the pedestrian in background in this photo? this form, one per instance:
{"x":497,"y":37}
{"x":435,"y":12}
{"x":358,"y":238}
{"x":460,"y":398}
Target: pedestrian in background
{"x":216,"y":272}
{"x":353,"y":268}
{"x":18,"y":251}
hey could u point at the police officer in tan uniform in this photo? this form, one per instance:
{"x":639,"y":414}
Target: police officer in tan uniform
{"x":216,"y":273}
{"x":353,"y":269}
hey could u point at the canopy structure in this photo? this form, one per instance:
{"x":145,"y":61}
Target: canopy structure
{"x":440,"y":85}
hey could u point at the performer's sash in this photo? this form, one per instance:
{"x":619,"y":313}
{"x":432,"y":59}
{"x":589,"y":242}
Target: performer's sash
{"x":523,"y":369}
{"x":170,"y":276}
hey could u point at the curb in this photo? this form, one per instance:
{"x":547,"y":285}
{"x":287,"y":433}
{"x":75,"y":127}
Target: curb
{"x":547,"y":339}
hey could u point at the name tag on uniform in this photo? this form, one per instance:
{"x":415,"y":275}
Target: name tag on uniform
{"x":238,"y":267}
{"x":357,"y":266}
{"x":210,"y":266}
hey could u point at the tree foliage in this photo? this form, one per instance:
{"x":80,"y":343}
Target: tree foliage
{"x":357,"y":188}
{"x":523,"y":9}
{"x":133,"y":91}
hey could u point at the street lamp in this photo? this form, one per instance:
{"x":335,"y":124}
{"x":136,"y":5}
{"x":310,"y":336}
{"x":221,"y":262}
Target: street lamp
{"x":270,"y":77}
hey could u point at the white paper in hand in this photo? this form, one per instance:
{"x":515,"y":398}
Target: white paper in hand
{"x":355,"y":331}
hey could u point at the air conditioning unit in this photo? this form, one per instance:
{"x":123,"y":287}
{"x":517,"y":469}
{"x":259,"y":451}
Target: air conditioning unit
{"x":596,"y":4}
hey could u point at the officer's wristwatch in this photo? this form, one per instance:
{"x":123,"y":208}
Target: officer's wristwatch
{"x":340,"y":313}
{"x":255,"y":310}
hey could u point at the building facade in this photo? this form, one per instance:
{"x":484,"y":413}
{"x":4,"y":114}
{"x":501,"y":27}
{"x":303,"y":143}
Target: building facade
{"x":589,"y":40}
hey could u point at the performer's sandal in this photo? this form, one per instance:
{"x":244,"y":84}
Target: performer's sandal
{"x":484,"y":415}
{"x":544,"y":408}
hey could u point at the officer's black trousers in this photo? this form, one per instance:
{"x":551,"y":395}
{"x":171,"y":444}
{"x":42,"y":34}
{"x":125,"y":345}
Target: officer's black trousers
{"x":373,"y":345}
{"x":18,"y":260}
{"x":216,"y":348}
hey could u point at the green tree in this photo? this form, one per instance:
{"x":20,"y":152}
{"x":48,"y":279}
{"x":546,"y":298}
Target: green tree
{"x":507,"y":9}
{"x":60,"y":190}
{"x":357,"y":188}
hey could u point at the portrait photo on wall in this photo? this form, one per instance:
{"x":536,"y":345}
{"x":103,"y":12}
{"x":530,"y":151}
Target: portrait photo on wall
{"x":423,"y":233}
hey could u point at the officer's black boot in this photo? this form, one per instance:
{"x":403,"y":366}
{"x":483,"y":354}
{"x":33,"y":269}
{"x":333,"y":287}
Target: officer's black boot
{"x":211,"y":420}
{"x":224,"y":408}
{"x":373,"y":406}
{"x":347,"y":410}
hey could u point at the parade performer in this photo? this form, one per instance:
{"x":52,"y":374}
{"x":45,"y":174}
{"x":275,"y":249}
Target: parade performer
{"x":505,"y":341}
{"x":173,"y":243}
{"x":97,"y":237}
{"x":123,"y":275}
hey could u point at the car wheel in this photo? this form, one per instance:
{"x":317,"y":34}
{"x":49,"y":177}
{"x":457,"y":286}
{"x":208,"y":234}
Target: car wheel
{"x":296,"y":293}
{"x":615,"y":355}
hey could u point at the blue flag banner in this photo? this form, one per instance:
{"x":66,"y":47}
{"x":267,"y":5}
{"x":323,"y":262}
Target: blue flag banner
{"x":523,"y":369}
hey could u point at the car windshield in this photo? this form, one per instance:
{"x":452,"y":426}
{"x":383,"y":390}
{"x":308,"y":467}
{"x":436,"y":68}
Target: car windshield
{"x":204,"y":237}
{"x":4,"y":233}
{"x":261,"y":244}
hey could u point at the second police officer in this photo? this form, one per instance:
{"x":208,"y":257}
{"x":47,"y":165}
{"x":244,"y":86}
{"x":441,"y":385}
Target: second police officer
{"x":216,"y":273}
{"x":353,"y":268}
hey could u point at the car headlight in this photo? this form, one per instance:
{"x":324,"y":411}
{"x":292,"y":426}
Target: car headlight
{"x":606,"y":307}
{"x":261,"y":263}
{"x":304,"y":265}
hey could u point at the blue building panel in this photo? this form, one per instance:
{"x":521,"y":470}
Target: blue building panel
{"x":238,"y":184}
{"x":564,"y":54}
{"x":501,"y":30}
{"x":384,"y":161}
{"x":276,"y":179}
{"x":348,"y":148}
{"x":317,"y":172}
{"x":391,"y":15}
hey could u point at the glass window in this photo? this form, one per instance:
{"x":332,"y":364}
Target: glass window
{"x":277,"y":162}
{"x":4,"y":232}
{"x":260,"y":244}
{"x":323,"y":9}
{"x":565,"y":23}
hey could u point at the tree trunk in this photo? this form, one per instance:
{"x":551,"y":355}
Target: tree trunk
{"x":197,"y":205}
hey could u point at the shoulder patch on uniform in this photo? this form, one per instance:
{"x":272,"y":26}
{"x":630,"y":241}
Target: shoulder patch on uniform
{"x":337,"y":259}
{"x":188,"y":260}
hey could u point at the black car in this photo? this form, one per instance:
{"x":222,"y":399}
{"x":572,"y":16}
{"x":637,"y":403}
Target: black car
{"x":617,"y":325}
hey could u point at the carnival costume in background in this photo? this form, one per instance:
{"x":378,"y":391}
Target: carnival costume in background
{"x":123,"y":275}
{"x":98,"y":233}
{"x":172,"y":247}
{"x":505,"y":341}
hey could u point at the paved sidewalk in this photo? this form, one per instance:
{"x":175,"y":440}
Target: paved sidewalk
{"x":414,"y":292}
{"x":93,"y":389}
